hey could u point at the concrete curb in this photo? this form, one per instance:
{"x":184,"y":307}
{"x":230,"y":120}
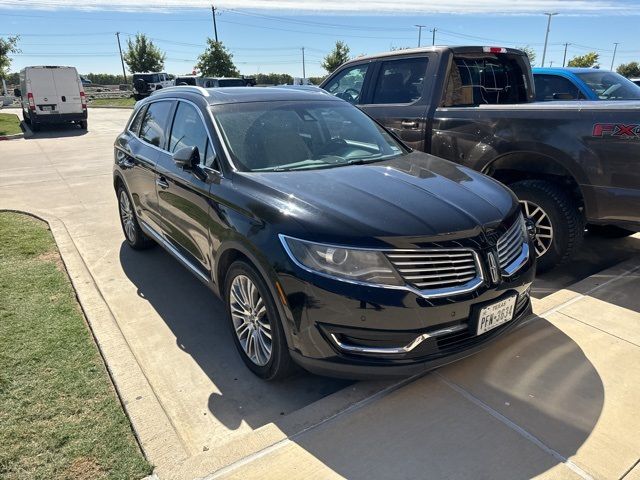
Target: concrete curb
{"x":157,"y":437}
{"x":11,"y":137}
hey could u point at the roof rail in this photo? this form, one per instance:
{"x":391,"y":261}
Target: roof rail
{"x":185,"y":88}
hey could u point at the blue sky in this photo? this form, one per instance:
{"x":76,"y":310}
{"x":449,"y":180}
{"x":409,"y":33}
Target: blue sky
{"x":267,"y":35}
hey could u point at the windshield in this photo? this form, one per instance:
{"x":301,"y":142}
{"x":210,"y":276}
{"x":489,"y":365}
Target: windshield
{"x":280,"y":136}
{"x":610,"y":85}
{"x":232,"y":82}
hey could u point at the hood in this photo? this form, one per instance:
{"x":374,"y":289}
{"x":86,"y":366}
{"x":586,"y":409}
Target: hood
{"x":417,"y":195}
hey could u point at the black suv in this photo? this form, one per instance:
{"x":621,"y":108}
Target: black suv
{"x":332,"y":244}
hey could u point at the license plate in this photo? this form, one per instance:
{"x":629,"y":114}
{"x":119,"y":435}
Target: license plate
{"x":496,"y":314}
{"x":47,"y":108}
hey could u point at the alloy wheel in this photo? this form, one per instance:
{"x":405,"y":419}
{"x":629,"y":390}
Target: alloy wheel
{"x":250,"y":321}
{"x":544,"y":229}
{"x":126,"y":216}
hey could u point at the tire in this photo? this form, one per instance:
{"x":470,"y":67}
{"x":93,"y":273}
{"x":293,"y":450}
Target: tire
{"x":609,"y":231}
{"x":133,"y":234}
{"x":563,"y":216}
{"x":253,"y":327}
{"x":84,"y":124}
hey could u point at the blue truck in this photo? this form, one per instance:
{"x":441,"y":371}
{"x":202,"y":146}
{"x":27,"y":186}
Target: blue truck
{"x":582,"y":84}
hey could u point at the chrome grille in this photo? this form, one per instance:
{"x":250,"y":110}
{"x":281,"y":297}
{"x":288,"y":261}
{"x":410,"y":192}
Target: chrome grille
{"x":510,"y":245}
{"x":435,"y":269}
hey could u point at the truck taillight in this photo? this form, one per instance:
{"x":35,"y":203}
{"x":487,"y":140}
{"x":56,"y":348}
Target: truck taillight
{"x":494,"y":50}
{"x":32,"y":103}
{"x":83,"y":100}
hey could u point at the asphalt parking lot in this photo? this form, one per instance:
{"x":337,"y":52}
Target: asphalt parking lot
{"x":556,"y":399}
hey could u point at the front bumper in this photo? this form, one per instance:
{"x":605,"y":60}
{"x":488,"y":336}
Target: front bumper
{"x":330,"y":318}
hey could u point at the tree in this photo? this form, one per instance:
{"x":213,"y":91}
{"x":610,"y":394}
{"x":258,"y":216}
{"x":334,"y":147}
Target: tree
{"x":274,"y":79}
{"x":336,"y":57}
{"x":531,"y":53}
{"x":7,"y":47}
{"x":629,"y":70}
{"x":216,"y":61}
{"x":143,"y":56}
{"x":587,"y":60}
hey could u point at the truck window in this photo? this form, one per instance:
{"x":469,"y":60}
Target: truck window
{"x":347,"y":85}
{"x":400,"y":81}
{"x":549,"y":85}
{"x":490,"y":80}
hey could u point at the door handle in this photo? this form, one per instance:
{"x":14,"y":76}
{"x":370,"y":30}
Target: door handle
{"x":162,"y":182}
{"x":409,"y":124}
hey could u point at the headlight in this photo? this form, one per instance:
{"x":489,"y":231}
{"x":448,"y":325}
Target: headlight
{"x":366,"y":266}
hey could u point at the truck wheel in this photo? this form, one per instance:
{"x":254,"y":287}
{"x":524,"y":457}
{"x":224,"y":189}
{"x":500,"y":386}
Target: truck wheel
{"x":559,"y":223}
{"x":609,"y":231}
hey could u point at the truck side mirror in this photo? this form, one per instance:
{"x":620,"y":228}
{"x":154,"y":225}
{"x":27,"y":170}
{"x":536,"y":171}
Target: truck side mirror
{"x":17,"y":92}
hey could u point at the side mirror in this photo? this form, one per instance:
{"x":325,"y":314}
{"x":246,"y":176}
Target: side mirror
{"x":187,"y":158}
{"x":563,"y":96}
{"x":17,"y":92}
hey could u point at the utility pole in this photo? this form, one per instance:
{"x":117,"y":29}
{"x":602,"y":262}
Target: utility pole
{"x":420,"y":27}
{"x":124,"y":72}
{"x":615,"y":49}
{"x":564,"y":59}
{"x":551,"y":63}
{"x":215,"y":27}
{"x":546,"y":37}
{"x":433,"y":39}
{"x":304,"y":73}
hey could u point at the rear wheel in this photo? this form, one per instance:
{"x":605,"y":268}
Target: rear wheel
{"x":255,"y":323}
{"x":558,"y":221}
{"x":134,"y":235}
{"x":84,"y":124}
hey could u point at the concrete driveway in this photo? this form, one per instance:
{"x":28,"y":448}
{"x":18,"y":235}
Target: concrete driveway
{"x":557,"y":398}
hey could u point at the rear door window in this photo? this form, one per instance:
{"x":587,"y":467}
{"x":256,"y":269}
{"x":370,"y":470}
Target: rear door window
{"x":400,"y":81}
{"x":348,"y":84}
{"x":155,"y":122}
{"x":137,"y":121}
{"x":549,"y":85}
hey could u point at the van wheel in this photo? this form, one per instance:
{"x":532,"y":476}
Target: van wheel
{"x":559,"y":223}
{"x":255,"y":323}
{"x":134,"y":235}
{"x":84,"y":124}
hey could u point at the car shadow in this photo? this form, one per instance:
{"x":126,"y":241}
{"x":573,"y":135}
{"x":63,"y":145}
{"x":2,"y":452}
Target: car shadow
{"x":198,"y":320}
{"x":57,"y":131}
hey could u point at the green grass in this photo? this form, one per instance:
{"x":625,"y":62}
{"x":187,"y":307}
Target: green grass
{"x":9,"y":124}
{"x":112,"y":102}
{"x":60,"y":417}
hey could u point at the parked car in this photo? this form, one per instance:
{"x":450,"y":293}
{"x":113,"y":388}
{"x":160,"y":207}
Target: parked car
{"x":85,"y":81}
{"x":144,"y":84}
{"x":209,"y":82}
{"x":332,"y":244}
{"x":582,"y":84}
{"x":570,"y":163}
{"x":50,"y":95}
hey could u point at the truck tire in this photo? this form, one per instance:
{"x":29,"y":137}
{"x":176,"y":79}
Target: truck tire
{"x":609,"y":231}
{"x":559,"y":223}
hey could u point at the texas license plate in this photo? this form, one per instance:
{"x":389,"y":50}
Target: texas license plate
{"x":496,"y":314}
{"x":47,"y":108}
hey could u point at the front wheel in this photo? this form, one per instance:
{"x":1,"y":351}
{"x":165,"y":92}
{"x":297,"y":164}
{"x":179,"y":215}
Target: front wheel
{"x":255,"y":323}
{"x":557,"y":218}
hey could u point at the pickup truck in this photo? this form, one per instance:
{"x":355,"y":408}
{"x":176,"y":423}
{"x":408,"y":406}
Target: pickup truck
{"x":572,"y":164}
{"x":582,"y":84}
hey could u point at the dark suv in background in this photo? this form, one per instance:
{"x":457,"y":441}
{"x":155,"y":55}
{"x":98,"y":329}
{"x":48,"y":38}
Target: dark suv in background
{"x":331,"y":243}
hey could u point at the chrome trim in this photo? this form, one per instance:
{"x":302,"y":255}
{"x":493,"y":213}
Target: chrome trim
{"x":173,"y":251}
{"x":519,"y":262}
{"x":468,"y":287}
{"x":397,"y":350}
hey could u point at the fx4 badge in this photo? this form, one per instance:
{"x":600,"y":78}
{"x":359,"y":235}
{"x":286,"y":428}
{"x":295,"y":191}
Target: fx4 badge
{"x":616,"y":130}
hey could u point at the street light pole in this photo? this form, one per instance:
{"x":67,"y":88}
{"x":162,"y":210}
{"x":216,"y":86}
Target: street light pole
{"x":615,"y":49}
{"x":420,"y":27}
{"x":546,"y":37}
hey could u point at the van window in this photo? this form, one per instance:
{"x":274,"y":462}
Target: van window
{"x":189,"y":131}
{"x":154,"y":123}
{"x":548,"y":85}
{"x":134,"y":127}
{"x":347,"y":85}
{"x":400,"y":81}
{"x":493,"y":80}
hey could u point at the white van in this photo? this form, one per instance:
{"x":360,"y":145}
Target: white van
{"x":52,"y":95}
